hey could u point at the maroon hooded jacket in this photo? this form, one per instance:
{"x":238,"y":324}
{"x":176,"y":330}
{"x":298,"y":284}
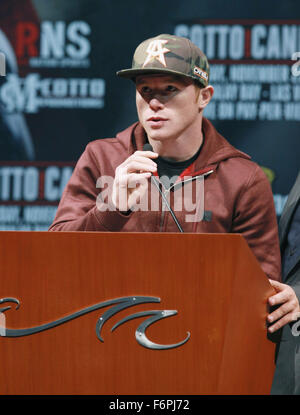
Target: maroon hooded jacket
{"x":237,"y":195}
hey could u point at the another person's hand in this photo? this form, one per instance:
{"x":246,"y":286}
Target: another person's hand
{"x":131,"y":179}
{"x":289,"y":309}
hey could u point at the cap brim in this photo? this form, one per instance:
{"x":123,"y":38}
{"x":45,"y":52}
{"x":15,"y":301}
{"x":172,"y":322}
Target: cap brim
{"x":133,"y":73}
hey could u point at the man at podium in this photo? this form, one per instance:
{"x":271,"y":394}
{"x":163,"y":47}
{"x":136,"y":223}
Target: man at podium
{"x":192,"y":179}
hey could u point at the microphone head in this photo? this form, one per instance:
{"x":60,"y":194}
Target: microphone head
{"x":147,"y":147}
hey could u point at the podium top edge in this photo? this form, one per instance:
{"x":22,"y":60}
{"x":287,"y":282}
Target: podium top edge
{"x":161,"y":234}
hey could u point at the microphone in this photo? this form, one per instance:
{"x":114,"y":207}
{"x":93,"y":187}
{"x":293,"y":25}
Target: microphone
{"x":148,"y":147}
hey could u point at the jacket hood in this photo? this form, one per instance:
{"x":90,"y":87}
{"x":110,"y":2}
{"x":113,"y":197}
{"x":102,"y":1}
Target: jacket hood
{"x":215,"y":147}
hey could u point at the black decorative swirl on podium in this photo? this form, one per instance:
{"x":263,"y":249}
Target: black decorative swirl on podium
{"x":117,"y":304}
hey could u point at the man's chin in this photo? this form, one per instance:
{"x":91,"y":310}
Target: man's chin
{"x":157,"y":135}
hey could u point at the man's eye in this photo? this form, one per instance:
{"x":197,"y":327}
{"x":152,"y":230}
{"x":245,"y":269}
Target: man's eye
{"x":171,"y":88}
{"x":145,"y":90}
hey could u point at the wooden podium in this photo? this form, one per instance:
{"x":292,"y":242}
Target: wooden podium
{"x":212,"y":280}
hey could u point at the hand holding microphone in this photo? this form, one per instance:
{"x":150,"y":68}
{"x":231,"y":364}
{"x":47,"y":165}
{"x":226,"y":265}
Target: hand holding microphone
{"x":131,"y":176}
{"x":131,"y":182}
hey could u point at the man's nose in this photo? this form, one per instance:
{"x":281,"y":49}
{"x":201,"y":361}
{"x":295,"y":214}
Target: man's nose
{"x":156,"y":104}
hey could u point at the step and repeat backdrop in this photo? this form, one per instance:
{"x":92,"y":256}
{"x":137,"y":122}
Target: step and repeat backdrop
{"x":59,"y":89}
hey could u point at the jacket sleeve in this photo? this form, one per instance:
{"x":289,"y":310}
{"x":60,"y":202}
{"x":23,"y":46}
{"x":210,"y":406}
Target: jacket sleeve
{"x":255,"y":219}
{"x":79,"y":209}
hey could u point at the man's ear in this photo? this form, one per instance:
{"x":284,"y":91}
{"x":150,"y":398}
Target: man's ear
{"x":205,"y":96}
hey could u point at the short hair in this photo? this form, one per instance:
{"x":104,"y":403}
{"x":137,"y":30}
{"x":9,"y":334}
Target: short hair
{"x":198,"y":86}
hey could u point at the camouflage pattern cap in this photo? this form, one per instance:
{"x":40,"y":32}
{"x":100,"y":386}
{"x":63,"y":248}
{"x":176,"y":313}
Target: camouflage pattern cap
{"x":171,"y":55}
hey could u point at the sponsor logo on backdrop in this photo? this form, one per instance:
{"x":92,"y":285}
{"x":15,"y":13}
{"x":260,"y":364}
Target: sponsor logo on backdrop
{"x":30,"y":192}
{"x":53,"y":44}
{"x":51,"y":72}
{"x":253,"y":68}
{"x":32,"y":93}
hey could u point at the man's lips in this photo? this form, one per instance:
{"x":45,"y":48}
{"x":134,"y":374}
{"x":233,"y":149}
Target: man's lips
{"x":156,"y":119}
{"x":156,"y":122}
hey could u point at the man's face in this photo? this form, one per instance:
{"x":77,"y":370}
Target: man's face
{"x":167,"y":106}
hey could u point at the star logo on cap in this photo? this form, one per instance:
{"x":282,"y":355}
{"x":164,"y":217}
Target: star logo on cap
{"x":156,"y":50}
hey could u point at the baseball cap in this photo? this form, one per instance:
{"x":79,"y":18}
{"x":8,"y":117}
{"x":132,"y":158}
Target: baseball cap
{"x":171,"y":55}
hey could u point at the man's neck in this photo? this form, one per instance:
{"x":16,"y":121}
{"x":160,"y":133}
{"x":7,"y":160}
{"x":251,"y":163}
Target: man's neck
{"x":177,"y":149}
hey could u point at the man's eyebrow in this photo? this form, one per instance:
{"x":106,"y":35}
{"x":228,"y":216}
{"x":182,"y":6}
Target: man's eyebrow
{"x":140,"y":81}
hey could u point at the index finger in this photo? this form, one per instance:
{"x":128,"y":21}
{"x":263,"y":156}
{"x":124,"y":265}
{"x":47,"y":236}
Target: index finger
{"x":150,"y":154}
{"x":280,"y":297}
